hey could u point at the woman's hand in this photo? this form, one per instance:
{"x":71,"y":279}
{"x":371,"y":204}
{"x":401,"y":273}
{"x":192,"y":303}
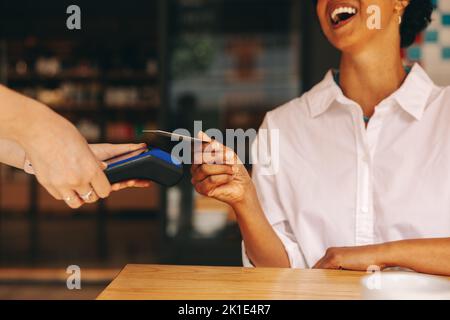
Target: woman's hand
{"x":352,"y":258}
{"x":218,"y":173}
{"x":11,"y":154}
{"x":221,"y":175}
{"x":104,"y":152}
{"x":430,"y":256}
{"x":62,"y":160}
{"x":107,"y":151}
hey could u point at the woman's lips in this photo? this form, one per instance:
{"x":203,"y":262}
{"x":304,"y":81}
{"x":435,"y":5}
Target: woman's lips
{"x":342,"y":22}
{"x":340,"y":14}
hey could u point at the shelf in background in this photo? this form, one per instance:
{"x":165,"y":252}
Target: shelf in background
{"x":15,"y":79}
{"x":107,"y":81}
{"x":73,"y":215}
{"x":133,"y":199}
{"x":97,"y":107}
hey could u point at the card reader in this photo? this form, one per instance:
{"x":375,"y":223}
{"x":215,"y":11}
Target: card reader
{"x":150,"y":164}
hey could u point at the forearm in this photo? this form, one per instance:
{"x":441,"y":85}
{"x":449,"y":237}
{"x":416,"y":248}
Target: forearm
{"x":423,"y":255}
{"x":263,"y":247}
{"x":19,"y":115}
{"x":11,"y":153}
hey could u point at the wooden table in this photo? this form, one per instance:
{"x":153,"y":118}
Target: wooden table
{"x":161,"y":282}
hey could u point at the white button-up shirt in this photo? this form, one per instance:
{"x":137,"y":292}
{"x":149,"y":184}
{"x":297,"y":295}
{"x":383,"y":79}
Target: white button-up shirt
{"x":338,"y":183}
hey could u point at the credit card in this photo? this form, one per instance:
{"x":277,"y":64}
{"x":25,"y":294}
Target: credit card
{"x":175,"y":136}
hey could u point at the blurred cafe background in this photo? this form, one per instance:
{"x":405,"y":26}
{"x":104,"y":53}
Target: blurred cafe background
{"x":151,"y":64}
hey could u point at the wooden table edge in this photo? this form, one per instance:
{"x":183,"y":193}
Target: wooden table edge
{"x":104,"y":295}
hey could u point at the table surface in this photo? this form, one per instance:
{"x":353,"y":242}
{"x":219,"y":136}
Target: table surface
{"x":163,"y":282}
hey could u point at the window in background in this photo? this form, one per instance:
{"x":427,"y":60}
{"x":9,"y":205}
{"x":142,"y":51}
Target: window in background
{"x":231,"y":62}
{"x":432,"y":48}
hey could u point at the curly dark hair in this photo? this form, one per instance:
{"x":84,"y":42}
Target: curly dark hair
{"x":416,"y":18}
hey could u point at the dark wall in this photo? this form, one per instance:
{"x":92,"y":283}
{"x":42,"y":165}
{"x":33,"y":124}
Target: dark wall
{"x":318,"y":54}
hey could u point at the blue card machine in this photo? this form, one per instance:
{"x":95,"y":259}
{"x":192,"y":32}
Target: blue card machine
{"x":145,"y":164}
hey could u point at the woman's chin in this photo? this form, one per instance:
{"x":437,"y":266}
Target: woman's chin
{"x":344,"y":44}
{"x":348,"y":43}
{"x":346,"y":37}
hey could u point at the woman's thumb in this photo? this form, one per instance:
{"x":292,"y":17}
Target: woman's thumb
{"x":203,"y":136}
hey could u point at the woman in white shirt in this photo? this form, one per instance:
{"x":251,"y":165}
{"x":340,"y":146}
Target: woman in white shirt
{"x":363,"y":177}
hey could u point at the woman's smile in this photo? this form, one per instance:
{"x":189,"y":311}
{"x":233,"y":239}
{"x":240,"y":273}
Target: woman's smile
{"x":341,"y":13}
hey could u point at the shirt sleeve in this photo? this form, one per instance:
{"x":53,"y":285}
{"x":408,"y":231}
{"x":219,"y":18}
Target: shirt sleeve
{"x":283,"y":232}
{"x":265,"y":166}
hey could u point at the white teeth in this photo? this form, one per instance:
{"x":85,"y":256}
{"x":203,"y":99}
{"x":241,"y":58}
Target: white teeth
{"x":340,"y":10}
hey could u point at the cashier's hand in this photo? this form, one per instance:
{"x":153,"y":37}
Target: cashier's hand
{"x":220,"y":174}
{"x":106,"y":151}
{"x":359,"y":258}
{"x":61,"y":158}
{"x":70,"y":193}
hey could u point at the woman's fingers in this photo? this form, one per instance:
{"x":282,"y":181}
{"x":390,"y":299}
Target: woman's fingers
{"x":222,"y":155}
{"x":212,"y":166}
{"x":207,"y":186}
{"x":131,"y":184}
{"x":194,"y":168}
{"x":325,"y":263}
{"x":330,"y":260}
{"x":72,"y":199}
{"x":100,"y":184}
{"x":318,"y":264}
{"x":119,"y":186}
{"x":206,"y":170}
{"x":87,"y":194}
{"x":213,"y":152}
{"x":106,"y":151}
{"x":141,"y":184}
{"x":203,"y":136}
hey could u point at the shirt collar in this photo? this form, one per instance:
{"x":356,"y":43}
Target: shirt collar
{"x":412,"y":96}
{"x":415,"y":92}
{"x":323,"y":95}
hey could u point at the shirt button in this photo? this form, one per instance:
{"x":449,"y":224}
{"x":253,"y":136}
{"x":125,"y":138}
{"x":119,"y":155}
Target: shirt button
{"x":364,"y":209}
